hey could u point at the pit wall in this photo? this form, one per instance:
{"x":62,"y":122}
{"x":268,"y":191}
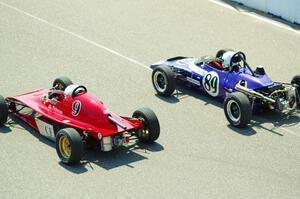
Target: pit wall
{"x":286,"y":9}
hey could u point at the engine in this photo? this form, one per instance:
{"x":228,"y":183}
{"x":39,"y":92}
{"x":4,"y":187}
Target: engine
{"x":285,"y":96}
{"x":271,"y":88}
{"x":113,"y":141}
{"x":277,"y":96}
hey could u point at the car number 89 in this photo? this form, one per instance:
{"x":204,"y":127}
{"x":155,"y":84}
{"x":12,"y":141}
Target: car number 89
{"x":210,"y":83}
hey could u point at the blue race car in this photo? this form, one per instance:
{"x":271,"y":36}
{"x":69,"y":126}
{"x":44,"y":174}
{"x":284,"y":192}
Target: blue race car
{"x":228,"y":76}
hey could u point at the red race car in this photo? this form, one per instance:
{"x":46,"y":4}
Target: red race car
{"x":72,"y":118}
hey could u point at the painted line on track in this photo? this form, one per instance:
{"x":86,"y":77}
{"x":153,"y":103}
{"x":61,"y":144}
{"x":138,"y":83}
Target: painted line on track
{"x":75,"y":35}
{"x":111,"y":50}
{"x":290,"y":131}
{"x":253,"y":15}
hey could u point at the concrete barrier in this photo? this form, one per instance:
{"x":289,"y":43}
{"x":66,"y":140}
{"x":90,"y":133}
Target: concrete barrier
{"x":286,"y":9}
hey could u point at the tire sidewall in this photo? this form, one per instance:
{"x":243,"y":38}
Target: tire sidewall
{"x":296,"y":80}
{"x":76,"y":145}
{"x":151,"y":121}
{"x":244,"y":106}
{"x":170,"y":81}
{"x":3,"y":111}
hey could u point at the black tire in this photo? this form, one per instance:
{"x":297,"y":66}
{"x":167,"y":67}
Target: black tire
{"x":296,"y":80}
{"x":74,"y":146}
{"x":61,"y":83}
{"x":163,"y":80}
{"x":237,"y":108}
{"x":3,"y":111}
{"x":151,"y":129}
{"x":221,"y":52}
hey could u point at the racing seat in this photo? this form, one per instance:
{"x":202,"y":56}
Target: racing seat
{"x":216,"y":64}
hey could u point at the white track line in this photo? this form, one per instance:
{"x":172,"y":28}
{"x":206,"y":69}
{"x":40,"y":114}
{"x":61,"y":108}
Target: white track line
{"x":75,"y":35}
{"x":290,"y":131}
{"x":104,"y":47}
{"x":262,"y":18}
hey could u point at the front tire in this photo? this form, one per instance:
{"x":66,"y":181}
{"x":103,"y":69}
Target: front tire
{"x":69,"y":146}
{"x":163,"y":80}
{"x":3,"y":111}
{"x":150,"y":130}
{"x":237,"y":108}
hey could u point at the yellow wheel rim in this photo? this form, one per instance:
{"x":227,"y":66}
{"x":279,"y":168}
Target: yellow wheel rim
{"x":144,"y":129}
{"x":64,"y":146}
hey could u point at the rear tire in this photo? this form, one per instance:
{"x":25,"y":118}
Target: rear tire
{"x":163,"y":80}
{"x":69,"y":146}
{"x":3,"y":111}
{"x":237,"y":108}
{"x":150,"y":130}
{"x":61,"y":83}
{"x":296,"y":80}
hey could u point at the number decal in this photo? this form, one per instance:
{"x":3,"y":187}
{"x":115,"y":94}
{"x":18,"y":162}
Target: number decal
{"x":49,"y":131}
{"x":76,"y":107}
{"x":210,"y":83}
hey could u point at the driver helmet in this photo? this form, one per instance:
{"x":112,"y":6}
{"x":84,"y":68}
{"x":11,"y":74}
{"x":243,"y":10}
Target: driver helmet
{"x":227,"y":56}
{"x":69,"y":90}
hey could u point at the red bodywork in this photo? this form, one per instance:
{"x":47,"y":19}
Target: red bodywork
{"x":92,"y":116}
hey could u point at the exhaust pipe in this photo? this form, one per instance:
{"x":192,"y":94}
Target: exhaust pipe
{"x":250,"y":92}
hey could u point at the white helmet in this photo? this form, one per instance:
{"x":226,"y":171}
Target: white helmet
{"x":233,"y":58}
{"x":69,"y":90}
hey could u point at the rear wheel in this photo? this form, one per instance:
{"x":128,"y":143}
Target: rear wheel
{"x":61,"y":83}
{"x":163,"y":80}
{"x":296,"y":81}
{"x":237,"y":108}
{"x":150,"y":130}
{"x":69,"y":146}
{"x":3,"y":110}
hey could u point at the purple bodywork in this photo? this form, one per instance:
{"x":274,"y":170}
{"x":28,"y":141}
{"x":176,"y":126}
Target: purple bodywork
{"x":213,"y":81}
{"x":228,"y":77}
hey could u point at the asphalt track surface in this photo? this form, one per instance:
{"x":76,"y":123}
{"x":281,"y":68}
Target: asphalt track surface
{"x":106,"y":46}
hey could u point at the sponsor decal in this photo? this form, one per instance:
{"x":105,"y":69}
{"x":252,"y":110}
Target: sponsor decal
{"x":193,"y":81}
{"x":49,"y":131}
{"x":76,"y":107}
{"x":210,"y":83}
{"x":45,"y":129}
{"x":197,"y":69}
{"x":55,"y":109}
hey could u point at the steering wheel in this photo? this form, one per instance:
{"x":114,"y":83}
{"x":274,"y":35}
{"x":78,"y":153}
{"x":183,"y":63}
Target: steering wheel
{"x":237,"y":57}
{"x":78,"y":90}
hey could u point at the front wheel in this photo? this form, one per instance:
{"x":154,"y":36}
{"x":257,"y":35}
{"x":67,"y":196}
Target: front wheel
{"x":3,"y":110}
{"x":69,"y":146}
{"x":237,"y":108}
{"x":150,"y":130}
{"x":163,"y":80}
